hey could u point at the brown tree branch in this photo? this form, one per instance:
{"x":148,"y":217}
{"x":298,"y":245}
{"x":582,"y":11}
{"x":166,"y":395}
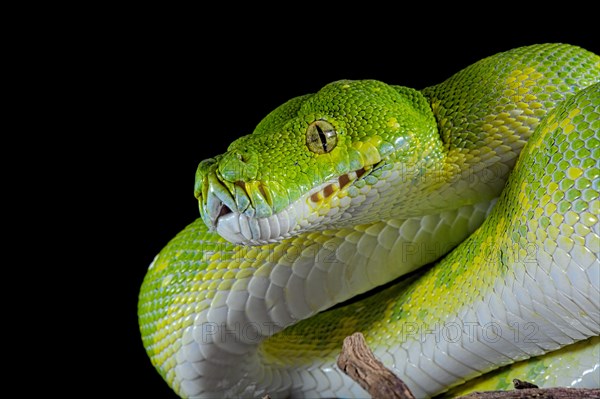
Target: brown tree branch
{"x":538,"y":393}
{"x":358,"y":362}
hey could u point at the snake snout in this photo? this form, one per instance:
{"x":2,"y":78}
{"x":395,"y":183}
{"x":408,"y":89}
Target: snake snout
{"x":240,"y":212}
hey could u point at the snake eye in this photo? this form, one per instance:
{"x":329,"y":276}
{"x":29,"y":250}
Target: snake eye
{"x":321,"y":137}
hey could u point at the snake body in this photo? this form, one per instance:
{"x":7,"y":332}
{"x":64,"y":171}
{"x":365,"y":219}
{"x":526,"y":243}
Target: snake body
{"x":338,"y":192}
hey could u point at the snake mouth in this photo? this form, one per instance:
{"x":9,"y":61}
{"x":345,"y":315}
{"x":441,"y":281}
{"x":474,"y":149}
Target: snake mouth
{"x":223,"y":211}
{"x":241,"y":225}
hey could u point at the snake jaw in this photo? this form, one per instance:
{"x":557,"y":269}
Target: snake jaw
{"x":321,"y":206}
{"x":239,"y":228}
{"x":234,"y":219}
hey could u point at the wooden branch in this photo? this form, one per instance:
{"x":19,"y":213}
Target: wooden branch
{"x":518,"y":384}
{"x":538,"y":393}
{"x":359,"y":363}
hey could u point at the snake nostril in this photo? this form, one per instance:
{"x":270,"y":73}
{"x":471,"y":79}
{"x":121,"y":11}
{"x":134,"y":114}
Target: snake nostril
{"x":238,"y":165}
{"x":243,"y":158}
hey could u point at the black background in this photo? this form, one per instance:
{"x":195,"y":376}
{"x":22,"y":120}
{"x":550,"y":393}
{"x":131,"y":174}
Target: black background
{"x":171,"y":93}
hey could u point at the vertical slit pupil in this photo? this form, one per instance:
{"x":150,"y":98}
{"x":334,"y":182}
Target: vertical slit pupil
{"x":322,"y":137}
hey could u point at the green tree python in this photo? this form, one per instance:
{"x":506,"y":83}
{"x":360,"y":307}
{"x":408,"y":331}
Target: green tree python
{"x":490,"y":180}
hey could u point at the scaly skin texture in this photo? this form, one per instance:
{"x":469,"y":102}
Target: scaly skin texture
{"x":341,"y":191}
{"x":544,"y":370}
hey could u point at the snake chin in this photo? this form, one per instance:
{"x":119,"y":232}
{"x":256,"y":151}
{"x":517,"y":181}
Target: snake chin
{"x":239,"y":228}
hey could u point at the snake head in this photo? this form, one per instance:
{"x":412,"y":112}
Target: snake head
{"x":316,"y":162}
